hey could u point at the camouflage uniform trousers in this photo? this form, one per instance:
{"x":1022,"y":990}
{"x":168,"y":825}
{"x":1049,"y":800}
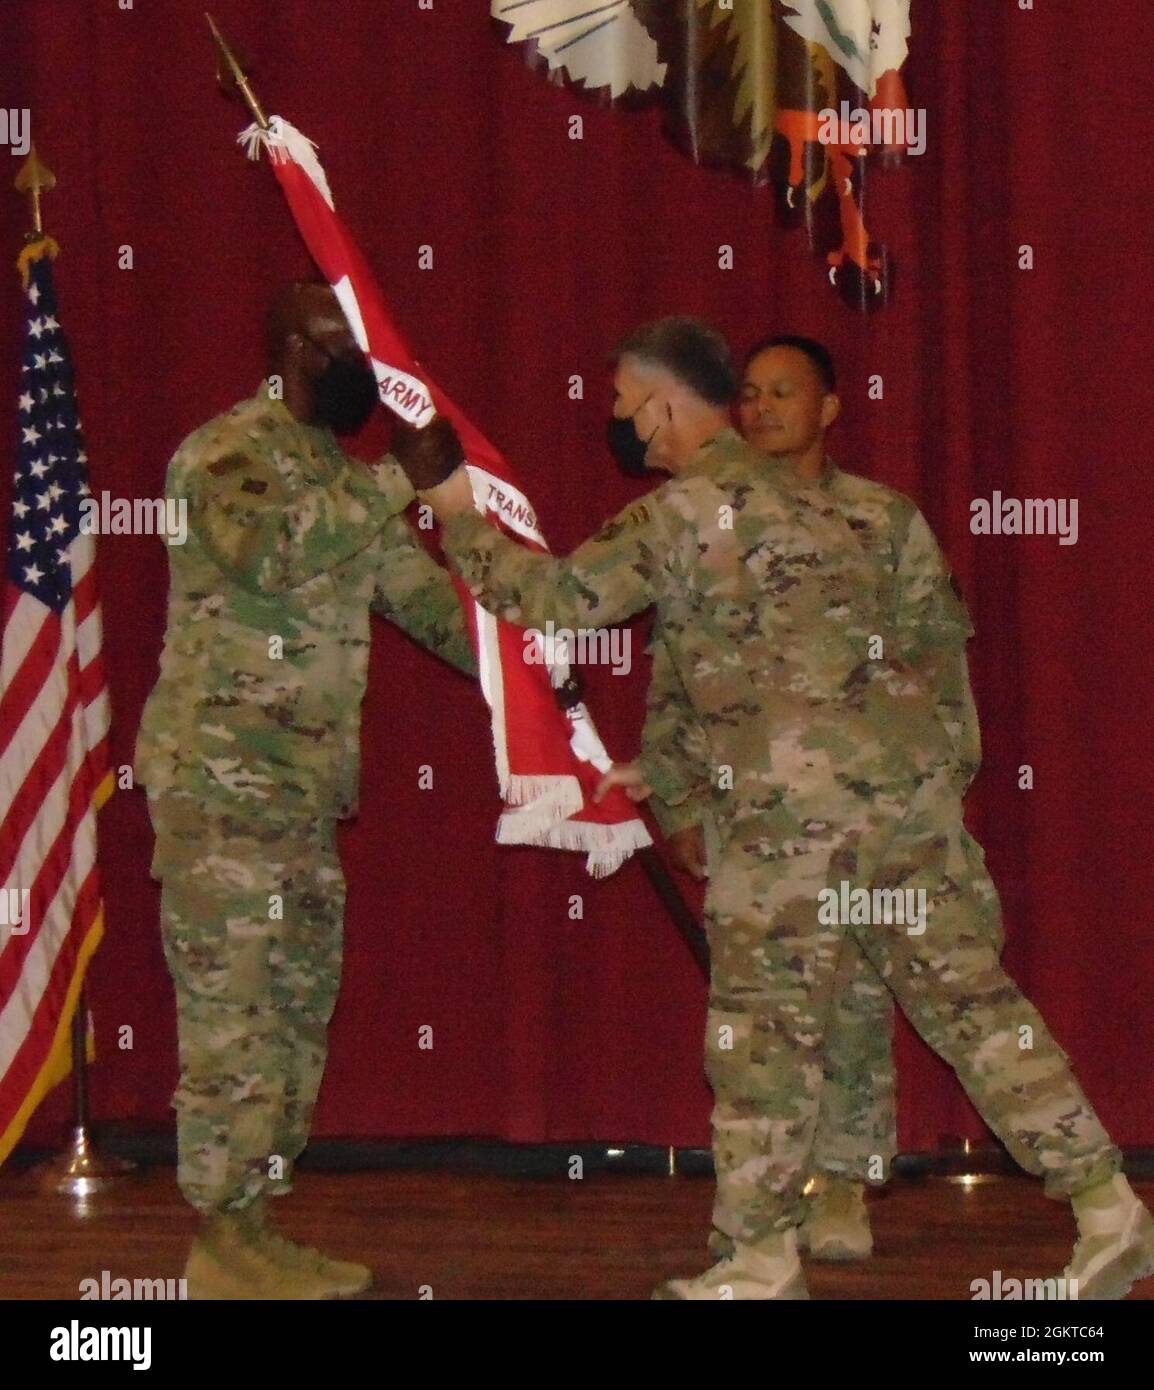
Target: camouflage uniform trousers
{"x":856,"y":1133}
{"x":254,"y":989}
{"x":855,"y":1137}
{"x":777,"y":970}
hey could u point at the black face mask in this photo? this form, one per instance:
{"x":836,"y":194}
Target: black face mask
{"x":344,"y":394}
{"x":627,"y":447}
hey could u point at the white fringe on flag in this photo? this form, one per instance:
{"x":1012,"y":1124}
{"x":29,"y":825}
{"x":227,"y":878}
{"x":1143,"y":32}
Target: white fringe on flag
{"x":285,"y":141}
{"x":521,"y":789}
{"x":608,"y":846}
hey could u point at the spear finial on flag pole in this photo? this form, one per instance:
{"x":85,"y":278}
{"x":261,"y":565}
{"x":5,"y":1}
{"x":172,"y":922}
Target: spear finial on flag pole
{"x":238,"y":75}
{"x":35,"y":178}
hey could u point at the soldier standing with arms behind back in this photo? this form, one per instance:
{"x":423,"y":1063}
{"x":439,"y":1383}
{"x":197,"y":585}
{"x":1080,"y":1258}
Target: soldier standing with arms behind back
{"x":785,"y":408}
{"x":249,"y":749}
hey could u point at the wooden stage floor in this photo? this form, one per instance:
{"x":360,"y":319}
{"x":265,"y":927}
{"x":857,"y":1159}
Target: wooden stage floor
{"x":476,"y":1236}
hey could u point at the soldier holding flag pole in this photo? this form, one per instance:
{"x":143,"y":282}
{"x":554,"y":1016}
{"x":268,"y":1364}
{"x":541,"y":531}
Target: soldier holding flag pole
{"x":249,"y":750}
{"x":837,"y":772}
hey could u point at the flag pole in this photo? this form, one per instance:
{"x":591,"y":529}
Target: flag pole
{"x":80,"y":1171}
{"x":680,"y":913}
{"x":237,"y":73}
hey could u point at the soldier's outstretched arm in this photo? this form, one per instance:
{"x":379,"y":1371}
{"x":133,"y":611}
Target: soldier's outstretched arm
{"x":268,"y":540}
{"x":610,"y":577}
{"x":414,"y":592}
{"x":933,"y":627}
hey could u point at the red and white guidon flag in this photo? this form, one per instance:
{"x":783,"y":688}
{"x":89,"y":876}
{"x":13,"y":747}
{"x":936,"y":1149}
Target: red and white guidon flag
{"x":549,"y":760}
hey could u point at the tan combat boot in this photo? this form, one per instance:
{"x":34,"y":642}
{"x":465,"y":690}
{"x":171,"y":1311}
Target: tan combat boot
{"x":225,"y":1262}
{"x":769,"y":1269}
{"x":836,"y":1226}
{"x":341,"y":1277}
{"x":1115,"y":1242}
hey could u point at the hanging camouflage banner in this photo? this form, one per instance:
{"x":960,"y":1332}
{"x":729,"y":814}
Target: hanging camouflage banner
{"x":801,"y":94}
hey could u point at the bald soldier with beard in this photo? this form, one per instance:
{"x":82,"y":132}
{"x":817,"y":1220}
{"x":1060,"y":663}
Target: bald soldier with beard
{"x":249,"y":750}
{"x":838,"y":774}
{"x":786,"y":405}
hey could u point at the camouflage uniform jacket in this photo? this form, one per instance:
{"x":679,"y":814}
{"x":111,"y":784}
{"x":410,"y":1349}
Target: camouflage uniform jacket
{"x":926,"y":617}
{"x":290,"y":543}
{"x":768,"y":599}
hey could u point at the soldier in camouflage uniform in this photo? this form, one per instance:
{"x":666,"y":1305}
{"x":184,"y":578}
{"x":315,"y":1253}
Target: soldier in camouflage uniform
{"x":833,"y":772}
{"x":855,"y":1138}
{"x":249,"y":750}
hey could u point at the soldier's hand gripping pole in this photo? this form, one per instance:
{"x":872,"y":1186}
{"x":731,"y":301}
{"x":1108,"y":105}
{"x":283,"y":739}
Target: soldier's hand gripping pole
{"x":688,"y":927}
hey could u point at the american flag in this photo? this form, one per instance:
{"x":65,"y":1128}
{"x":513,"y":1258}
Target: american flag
{"x":53,"y":724}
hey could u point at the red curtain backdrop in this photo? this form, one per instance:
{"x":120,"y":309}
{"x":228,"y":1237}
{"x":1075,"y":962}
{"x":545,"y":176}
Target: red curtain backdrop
{"x":435,"y":132}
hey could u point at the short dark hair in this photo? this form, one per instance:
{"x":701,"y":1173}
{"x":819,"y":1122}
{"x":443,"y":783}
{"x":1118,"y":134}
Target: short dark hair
{"x":817,"y":353}
{"x":697,"y":355}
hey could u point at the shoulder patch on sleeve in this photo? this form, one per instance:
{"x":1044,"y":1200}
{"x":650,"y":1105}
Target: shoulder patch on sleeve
{"x":636,"y":515}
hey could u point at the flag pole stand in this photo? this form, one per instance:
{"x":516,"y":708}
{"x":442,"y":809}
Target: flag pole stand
{"x":81,"y":1171}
